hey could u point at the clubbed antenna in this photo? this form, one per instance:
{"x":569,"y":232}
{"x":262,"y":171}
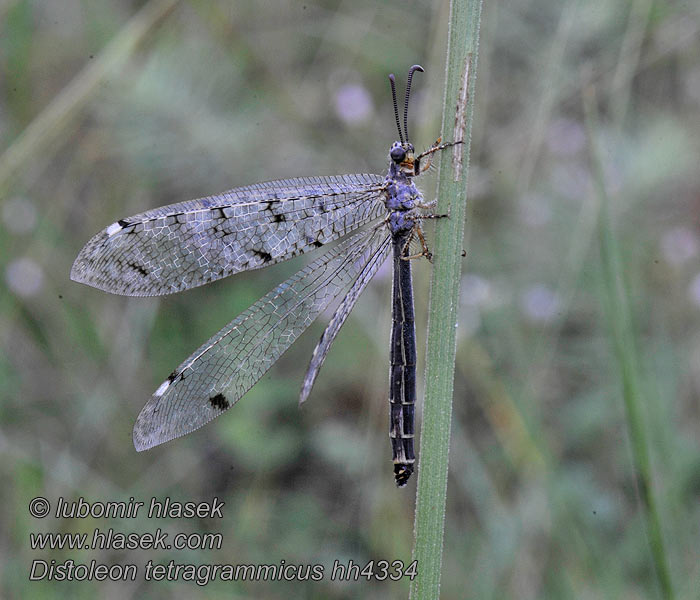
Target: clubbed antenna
{"x":392,"y":81}
{"x":411,"y":71}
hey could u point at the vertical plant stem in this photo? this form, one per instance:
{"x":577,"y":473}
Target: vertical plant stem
{"x":616,"y":297}
{"x":462,"y":47}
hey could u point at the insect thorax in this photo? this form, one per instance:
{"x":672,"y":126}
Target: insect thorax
{"x":401,"y":198}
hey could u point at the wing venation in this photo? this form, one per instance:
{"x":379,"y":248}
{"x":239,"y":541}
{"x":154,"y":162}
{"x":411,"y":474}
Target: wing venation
{"x":225,"y":367}
{"x":188,"y":244}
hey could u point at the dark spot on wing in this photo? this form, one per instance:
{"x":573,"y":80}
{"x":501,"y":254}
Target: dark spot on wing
{"x":219,"y":402}
{"x":127,"y":228}
{"x":266,"y":256}
{"x":280,"y":218}
{"x":173,"y":376}
{"x":317,"y":244}
{"x":141,"y":271}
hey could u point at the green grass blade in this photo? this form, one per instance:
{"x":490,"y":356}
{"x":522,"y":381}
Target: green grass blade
{"x":616,"y":298}
{"x":463,"y":39}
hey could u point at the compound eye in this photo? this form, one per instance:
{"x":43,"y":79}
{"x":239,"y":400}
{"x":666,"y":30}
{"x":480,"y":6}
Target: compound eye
{"x":398,"y":154}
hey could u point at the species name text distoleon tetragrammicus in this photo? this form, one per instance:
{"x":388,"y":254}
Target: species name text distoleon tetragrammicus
{"x":184,"y":245}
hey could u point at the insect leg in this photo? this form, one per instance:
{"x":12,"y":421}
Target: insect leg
{"x":436,"y":147}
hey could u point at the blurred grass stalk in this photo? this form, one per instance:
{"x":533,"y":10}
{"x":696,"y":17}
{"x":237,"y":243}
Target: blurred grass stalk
{"x":616,"y":298}
{"x":47,"y":127}
{"x":458,"y":108}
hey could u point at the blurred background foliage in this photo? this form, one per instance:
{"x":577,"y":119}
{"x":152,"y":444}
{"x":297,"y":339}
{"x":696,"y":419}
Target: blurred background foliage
{"x":110,"y":108}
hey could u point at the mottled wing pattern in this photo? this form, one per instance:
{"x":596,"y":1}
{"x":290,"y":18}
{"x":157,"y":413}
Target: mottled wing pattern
{"x":215,"y":376}
{"x":336,"y":322}
{"x":184,"y":245}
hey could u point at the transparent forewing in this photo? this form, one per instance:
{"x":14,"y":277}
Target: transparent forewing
{"x":191,"y":243}
{"x":340,"y":315}
{"x":233,"y":360}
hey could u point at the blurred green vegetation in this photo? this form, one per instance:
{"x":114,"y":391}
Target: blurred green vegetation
{"x":209,"y":95}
